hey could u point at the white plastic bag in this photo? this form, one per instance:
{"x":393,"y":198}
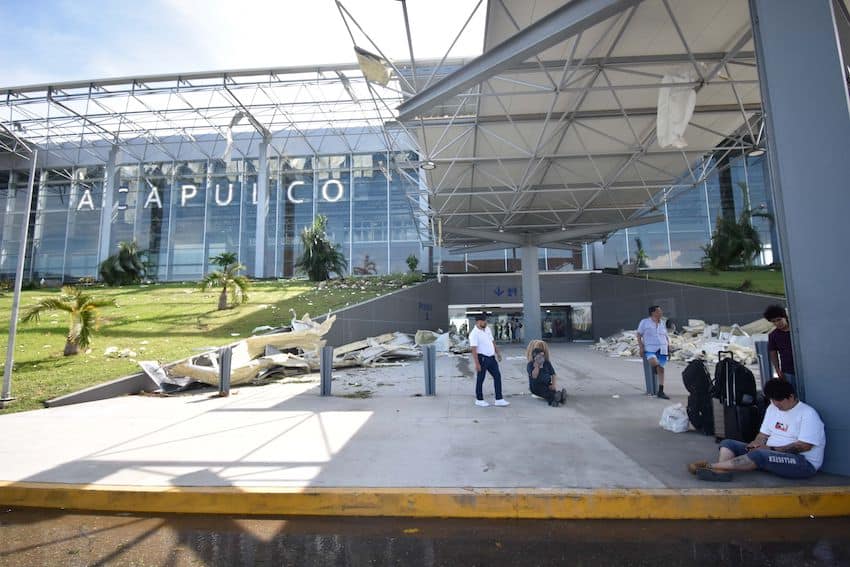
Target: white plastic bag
{"x":675,"y":419}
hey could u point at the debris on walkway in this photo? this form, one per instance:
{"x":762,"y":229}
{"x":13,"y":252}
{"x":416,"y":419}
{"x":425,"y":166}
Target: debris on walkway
{"x":697,"y":339}
{"x":284,"y":352}
{"x":445,"y":342}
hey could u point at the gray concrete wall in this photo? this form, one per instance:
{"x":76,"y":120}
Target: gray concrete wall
{"x":500,"y":289}
{"x":132,"y":384}
{"x":620,"y":302}
{"x":423,"y":306}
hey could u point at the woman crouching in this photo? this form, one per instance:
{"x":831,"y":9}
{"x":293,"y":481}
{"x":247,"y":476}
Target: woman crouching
{"x":541,"y":374}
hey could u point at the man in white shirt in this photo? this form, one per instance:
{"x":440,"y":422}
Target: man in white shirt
{"x":654,"y":345}
{"x":790,"y":442}
{"x":485,"y":357}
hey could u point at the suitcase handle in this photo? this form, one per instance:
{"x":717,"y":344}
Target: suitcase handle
{"x":722,"y":353}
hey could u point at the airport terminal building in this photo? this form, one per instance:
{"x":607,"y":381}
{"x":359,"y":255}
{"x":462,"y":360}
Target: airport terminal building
{"x":183,"y":212}
{"x":581,"y":127}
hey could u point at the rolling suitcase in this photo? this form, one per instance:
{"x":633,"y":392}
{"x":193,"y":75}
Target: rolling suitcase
{"x":734,"y":418}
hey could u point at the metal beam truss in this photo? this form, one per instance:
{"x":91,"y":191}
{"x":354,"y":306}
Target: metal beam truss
{"x":299,"y":108}
{"x":565,"y":163}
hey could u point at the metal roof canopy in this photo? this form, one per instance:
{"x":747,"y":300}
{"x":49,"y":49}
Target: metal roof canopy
{"x":548,"y":137}
{"x":300,"y":110}
{"x":561,"y":148}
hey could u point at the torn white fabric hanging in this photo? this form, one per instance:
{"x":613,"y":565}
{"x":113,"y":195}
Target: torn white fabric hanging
{"x":373,"y":67}
{"x":675,"y":107}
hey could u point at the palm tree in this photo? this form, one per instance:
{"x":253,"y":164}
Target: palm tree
{"x":641,"y":256}
{"x":83,"y":311}
{"x":734,"y":242}
{"x":127,"y":266}
{"x":321,"y":257}
{"x":229,"y":279}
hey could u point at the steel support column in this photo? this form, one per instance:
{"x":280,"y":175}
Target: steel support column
{"x":262,"y":209}
{"x":598,"y":255}
{"x":530,"y":294}
{"x":807,"y":111}
{"x":109,"y":187}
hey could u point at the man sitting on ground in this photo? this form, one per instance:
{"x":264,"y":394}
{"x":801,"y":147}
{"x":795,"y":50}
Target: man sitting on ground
{"x":790,"y":442}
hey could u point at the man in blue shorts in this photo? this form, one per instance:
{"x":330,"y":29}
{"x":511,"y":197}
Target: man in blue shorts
{"x":790,"y":442}
{"x":654,"y":345}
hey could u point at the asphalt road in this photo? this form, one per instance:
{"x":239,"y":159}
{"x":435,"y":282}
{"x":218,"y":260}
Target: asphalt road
{"x":46,"y":538}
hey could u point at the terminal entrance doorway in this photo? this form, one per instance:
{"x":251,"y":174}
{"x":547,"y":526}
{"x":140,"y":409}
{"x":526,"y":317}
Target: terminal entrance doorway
{"x":559,"y":323}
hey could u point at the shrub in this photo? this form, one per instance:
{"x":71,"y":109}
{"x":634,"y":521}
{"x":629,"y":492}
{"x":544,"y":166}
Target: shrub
{"x":412,"y":262}
{"x":321,"y":257}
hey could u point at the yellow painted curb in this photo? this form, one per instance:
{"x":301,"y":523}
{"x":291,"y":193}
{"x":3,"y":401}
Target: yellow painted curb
{"x":667,"y":504}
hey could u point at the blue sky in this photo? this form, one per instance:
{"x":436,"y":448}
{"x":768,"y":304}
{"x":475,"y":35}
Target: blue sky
{"x":48,"y":41}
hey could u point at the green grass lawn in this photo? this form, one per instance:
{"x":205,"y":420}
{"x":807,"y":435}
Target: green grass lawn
{"x":162,"y":322}
{"x":760,"y":281}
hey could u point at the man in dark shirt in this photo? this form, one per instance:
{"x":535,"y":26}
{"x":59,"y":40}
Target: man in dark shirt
{"x":779,"y":344}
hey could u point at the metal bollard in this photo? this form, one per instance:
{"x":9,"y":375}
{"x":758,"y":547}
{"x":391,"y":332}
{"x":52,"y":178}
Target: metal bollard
{"x":650,"y":377}
{"x":429,"y":358}
{"x":326,"y":363}
{"x":225,"y":355}
{"x":765,"y":370}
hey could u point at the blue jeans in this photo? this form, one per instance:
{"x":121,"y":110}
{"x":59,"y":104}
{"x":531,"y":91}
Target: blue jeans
{"x":788,"y":465}
{"x":491,"y":365}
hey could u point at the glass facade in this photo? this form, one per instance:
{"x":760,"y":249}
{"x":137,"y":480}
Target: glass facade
{"x":508,"y":260}
{"x":185,"y":212}
{"x":738,"y":184}
{"x":13,"y":196}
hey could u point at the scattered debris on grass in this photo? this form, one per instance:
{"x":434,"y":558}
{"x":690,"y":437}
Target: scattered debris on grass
{"x":358,"y":394}
{"x":293,"y":350}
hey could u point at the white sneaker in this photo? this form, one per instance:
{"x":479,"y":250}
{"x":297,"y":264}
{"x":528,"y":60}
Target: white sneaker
{"x":482,"y":403}
{"x":502,"y":403}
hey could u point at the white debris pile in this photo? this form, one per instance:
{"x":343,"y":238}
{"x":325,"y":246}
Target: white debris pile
{"x":697,"y":339}
{"x":295,"y":350}
{"x":115,"y":352}
{"x":452,"y":341}
{"x":460,"y":344}
{"x":438,"y":339}
{"x":372,"y":351}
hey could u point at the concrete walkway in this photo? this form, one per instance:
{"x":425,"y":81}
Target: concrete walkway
{"x":379,"y":447}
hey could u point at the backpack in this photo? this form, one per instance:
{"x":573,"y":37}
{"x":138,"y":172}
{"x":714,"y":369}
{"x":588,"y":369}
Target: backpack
{"x":697,"y":381}
{"x":734,"y":384}
{"x":696,"y":378}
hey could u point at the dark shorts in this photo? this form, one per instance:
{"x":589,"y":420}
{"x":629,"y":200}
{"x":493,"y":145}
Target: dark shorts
{"x":787,"y":465}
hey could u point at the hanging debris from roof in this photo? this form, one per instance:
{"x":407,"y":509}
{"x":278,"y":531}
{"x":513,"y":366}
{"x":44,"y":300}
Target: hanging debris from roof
{"x":676,"y":102}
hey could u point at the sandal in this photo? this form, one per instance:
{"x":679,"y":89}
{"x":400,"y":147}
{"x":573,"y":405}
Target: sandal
{"x":713,"y":475}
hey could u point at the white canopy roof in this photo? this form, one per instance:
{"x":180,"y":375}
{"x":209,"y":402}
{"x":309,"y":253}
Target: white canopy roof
{"x":552,"y":131}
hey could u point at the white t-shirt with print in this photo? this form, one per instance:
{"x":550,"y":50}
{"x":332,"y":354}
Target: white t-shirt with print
{"x":800,"y":423}
{"x":483,"y":340}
